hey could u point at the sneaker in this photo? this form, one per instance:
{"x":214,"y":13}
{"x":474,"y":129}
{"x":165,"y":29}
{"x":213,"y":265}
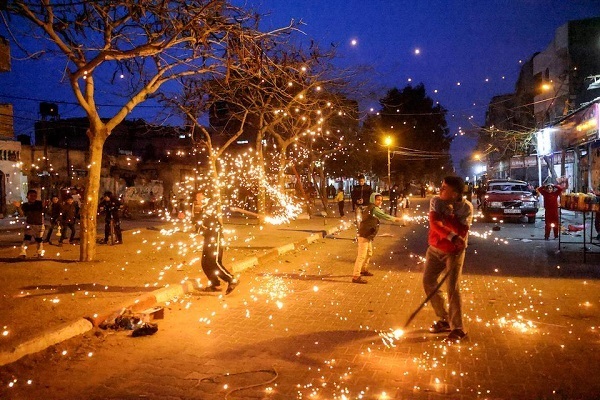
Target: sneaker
{"x":359,"y":280}
{"x":366,"y":273}
{"x":118,"y":242}
{"x":231,"y":285}
{"x":212,"y":288}
{"x":23,"y":254}
{"x":455,"y":336}
{"x":440,"y":326}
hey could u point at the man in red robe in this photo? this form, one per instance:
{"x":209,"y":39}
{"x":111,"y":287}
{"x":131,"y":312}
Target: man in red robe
{"x":550,"y":193}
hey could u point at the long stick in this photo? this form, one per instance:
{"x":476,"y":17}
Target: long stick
{"x":437,"y":288}
{"x":242,"y":211}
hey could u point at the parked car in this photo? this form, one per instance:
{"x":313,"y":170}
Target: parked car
{"x":507,"y":199}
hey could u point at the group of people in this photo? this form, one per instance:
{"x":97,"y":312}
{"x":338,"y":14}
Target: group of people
{"x":63,"y":220}
{"x":450,"y":218}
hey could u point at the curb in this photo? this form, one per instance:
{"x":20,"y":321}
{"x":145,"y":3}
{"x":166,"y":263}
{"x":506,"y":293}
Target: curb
{"x":143,"y":302}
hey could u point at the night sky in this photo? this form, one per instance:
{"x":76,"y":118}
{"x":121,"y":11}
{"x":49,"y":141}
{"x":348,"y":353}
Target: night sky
{"x":457,"y":41}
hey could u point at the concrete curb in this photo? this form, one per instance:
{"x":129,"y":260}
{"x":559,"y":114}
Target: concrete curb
{"x":143,"y":302}
{"x":45,"y":340}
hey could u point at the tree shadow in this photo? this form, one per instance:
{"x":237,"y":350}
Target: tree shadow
{"x":301,"y":348}
{"x":88,"y":287}
{"x":309,"y":277}
{"x":29,"y":260}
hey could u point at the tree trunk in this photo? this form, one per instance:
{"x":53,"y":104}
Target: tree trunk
{"x":281,"y":171}
{"x":323,"y":192}
{"x":262,"y":193}
{"x":89,"y":211}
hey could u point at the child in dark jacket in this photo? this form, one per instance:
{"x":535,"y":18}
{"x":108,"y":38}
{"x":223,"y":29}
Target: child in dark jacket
{"x":68,"y":220}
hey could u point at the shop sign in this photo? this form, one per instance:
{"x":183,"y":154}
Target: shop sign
{"x":579,"y":128}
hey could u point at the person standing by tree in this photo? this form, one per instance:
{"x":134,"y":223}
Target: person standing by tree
{"x":340,"y":201}
{"x":33,"y":210}
{"x":550,"y":193}
{"x":110,"y":206}
{"x":450,"y":217}
{"x":68,"y":220}
{"x":54,"y":211}
{"x":367,"y":230}
{"x":394,"y":194}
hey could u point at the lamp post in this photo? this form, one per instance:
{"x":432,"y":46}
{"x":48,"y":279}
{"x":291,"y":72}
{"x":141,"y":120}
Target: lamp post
{"x":388,"y":143}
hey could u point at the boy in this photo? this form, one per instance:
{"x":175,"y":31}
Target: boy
{"x":339,"y":198}
{"x":54,"y":210}
{"x":33,"y":210}
{"x":110,"y":205}
{"x":450,"y":218}
{"x":550,"y":193}
{"x":68,"y":219}
{"x":367,"y":230}
{"x":212,"y":249}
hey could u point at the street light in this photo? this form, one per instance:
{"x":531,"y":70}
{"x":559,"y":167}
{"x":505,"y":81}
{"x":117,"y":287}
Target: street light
{"x":388,"y":143}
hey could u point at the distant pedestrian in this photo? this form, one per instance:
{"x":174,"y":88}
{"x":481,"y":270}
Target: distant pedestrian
{"x":550,"y":193}
{"x":110,"y":206}
{"x":212,"y":249}
{"x":54,"y":210}
{"x":480,"y":192}
{"x":151,"y":202}
{"x":77,"y":202}
{"x":450,"y":217}
{"x":394,"y":195}
{"x":33,"y":211}
{"x":360,"y":196}
{"x":68,"y":220}
{"x":367,"y":230}
{"x":423,"y":190}
{"x":340,"y":201}
{"x":403,"y":204}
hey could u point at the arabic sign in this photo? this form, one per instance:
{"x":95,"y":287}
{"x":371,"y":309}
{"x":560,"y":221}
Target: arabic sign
{"x":149,"y":192}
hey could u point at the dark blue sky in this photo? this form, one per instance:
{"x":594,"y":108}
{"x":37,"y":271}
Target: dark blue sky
{"x":459,"y":41}
{"x":476,"y":43}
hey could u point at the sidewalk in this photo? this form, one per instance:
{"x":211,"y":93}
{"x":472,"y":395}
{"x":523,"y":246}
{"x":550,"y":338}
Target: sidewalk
{"x":46,"y":301}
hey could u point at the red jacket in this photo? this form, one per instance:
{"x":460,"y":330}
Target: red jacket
{"x":455,"y":218}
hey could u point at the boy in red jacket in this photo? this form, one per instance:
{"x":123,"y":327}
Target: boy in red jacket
{"x":450,"y":217}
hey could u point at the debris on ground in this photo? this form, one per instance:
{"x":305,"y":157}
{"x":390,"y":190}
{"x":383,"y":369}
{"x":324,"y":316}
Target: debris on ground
{"x":139,"y":322}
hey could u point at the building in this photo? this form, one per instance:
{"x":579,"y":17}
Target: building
{"x":565,"y":71}
{"x":12,"y":181}
{"x":553,"y":113}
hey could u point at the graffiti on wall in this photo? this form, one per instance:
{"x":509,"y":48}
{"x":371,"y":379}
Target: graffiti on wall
{"x":152,"y":191}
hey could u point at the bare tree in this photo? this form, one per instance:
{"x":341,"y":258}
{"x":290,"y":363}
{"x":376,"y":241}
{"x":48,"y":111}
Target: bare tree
{"x":154,"y":41}
{"x":288,"y":98}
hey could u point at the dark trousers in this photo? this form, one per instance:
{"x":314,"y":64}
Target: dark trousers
{"x":393,"y":207}
{"x":53,"y":224}
{"x":341,"y":208}
{"x":71,"y":226}
{"x":212,"y":261}
{"x":118,"y":234}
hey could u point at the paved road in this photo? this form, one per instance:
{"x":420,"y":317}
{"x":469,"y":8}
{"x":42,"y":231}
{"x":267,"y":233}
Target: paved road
{"x":297,"y":328}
